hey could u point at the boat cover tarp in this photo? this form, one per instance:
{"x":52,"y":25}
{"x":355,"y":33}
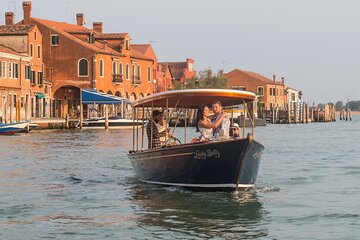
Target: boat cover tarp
{"x":92,"y":96}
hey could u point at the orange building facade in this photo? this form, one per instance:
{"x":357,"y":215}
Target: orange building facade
{"x":26,"y":40}
{"x":270,"y":93}
{"x":14,"y":87}
{"x":181,"y":71}
{"x":76,"y":57}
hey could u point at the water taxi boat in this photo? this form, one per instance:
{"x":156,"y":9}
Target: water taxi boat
{"x":226,"y":165}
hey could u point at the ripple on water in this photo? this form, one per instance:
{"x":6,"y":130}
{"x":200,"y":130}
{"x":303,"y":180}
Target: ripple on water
{"x":80,"y":185}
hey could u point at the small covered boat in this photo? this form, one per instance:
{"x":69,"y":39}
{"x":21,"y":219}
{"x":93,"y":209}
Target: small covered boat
{"x":115,"y":122}
{"x":226,"y":165}
{"x":93,"y":99}
{"x":12,"y":128}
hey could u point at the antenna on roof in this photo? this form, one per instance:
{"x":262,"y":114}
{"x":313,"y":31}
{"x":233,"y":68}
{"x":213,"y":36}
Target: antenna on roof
{"x":15,"y":4}
{"x":152,"y":41}
{"x":67,"y":4}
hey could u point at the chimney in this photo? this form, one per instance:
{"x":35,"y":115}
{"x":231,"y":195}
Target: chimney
{"x":282,"y":80}
{"x":80,"y":19}
{"x":274,"y":78}
{"x":9,"y":18}
{"x":27,"y":12}
{"x":98,"y":27}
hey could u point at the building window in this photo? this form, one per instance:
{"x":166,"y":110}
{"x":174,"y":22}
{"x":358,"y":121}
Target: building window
{"x":16,"y":70}
{"x":4,"y":69}
{"x":127,"y":45}
{"x":27,"y":72}
{"x":38,"y":51}
{"x":271,"y":91}
{"x":293,"y":97}
{"x":149,"y":73}
{"x":33,"y":78}
{"x":83,"y":68}
{"x":14,"y":102}
{"x":241,"y":88}
{"x":40,"y":78}
{"x":139,"y":71}
{"x":127,"y":71}
{"x":133,"y":74}
{"x":22,"y":102}
{"x":54,"y":40}
{"x":260,"y":91}
{"x":114,"y":68}
{"x":101,"y":68}
{"x":10,"y":71}
{"x":120,"y":68}
{"x":31,"y":50}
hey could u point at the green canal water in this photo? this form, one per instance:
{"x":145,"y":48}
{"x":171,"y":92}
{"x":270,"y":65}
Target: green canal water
{"x":80,"y":185}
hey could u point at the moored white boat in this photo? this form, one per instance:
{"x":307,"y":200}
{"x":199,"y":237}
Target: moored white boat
{"x":114,"y":123}
{"x":12,"y":128}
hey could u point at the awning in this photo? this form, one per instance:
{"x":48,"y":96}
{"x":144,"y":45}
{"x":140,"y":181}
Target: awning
{"x":92,"y":96}
{"x":39,"y":95}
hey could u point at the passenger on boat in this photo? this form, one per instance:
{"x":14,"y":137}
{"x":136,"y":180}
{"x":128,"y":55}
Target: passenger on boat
{"x":235,"y":131}
{"x":205,"y":126}
{"x":152,"y":130}
{"x":221,"y":132}
{"x":163,"y":129}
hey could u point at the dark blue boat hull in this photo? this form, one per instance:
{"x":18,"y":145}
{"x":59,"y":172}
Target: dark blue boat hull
{"x":225,"y":165}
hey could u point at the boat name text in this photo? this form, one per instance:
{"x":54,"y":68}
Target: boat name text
{"x":209,"y":153}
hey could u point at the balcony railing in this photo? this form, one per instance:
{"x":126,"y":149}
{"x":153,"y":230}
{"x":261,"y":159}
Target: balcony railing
{"x":136,"y":80}
{"x":118,"y":78}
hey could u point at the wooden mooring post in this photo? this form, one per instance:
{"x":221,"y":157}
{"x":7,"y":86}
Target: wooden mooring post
{"x":67,"y":121}
{"x":289,"y":113}
{"x":106,"y":117}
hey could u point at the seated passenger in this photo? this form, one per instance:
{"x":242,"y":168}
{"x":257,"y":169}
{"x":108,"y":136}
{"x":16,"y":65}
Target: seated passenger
{"x":205,"y":126}
{"x":152,"y":130}
{"x":221,"y":131}
{"x":235,"y":131}
{"x":163,"y":129}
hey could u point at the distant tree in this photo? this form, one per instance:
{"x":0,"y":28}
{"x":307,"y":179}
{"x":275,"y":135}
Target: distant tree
{"x":354,"y":105}
{"x":321,"y":105}
{"x":339,"y":105}
{"x":204,"y":79}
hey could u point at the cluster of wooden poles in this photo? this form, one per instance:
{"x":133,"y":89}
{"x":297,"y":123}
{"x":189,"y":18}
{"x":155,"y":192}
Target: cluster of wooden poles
{"x":300,"y":114}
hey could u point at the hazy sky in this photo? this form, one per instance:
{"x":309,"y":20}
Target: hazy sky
{"x":314,"y":44}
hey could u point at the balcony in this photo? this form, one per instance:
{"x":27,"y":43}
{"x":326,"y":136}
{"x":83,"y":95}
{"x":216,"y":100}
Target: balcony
{"x":136,"y":80}
{"x":117,"y":78}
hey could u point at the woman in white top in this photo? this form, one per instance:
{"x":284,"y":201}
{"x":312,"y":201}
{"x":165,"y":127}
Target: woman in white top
{"x":205,"y":126}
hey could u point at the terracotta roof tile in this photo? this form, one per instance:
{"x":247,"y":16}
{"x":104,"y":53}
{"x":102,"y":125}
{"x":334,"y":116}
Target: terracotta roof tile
{"x":142,"y":48}
{"x":111,"y":35}
{"x":15,"y":29}
{"x":176,"y":68}
{"x":236,"y":72}
{"x":62,"y":28}
{"x":5,"y":49}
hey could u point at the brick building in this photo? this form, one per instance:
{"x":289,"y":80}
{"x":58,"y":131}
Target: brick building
{"x":14,"y":87}
{"x":181,"y":71}
{"x":271,"y":93}
{"x":78,"y":57}
{"x":26,"y":39}
{"x":165,"y":78}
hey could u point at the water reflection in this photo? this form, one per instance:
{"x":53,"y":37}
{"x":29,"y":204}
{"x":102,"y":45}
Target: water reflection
{"x":199,"y":214}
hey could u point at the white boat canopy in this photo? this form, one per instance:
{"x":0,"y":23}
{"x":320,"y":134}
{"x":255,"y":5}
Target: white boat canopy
{"x":192,"y":98}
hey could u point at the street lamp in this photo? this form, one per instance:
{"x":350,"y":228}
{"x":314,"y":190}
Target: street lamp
{"x":154,"y":86}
